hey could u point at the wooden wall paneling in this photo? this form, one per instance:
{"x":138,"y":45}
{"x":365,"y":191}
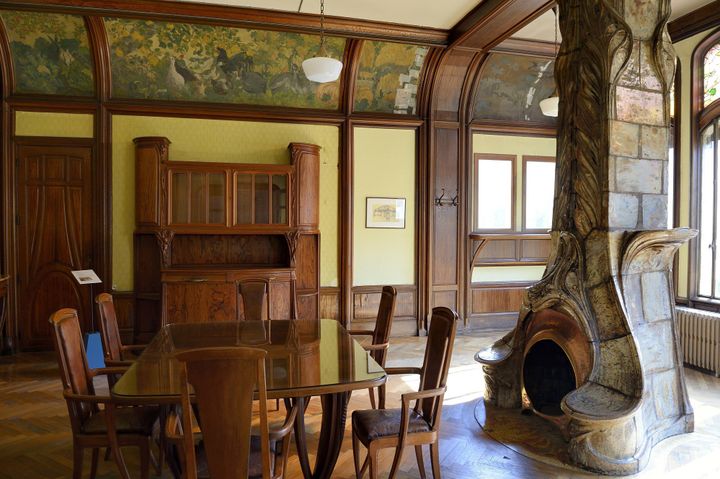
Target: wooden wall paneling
{"x":366,"y":301}
{"x":330,"y":303}
{"x":495,"y":306}
{"x":534,"y":250}
{"x":445,"y":219}
{"x":240,"y":17}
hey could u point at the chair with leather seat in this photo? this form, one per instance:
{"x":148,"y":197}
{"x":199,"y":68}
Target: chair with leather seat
{"x":225,"y":382}
{"x":384,"y":428}
{"x":380,"y":338}
{"x":116,"y":353}
{"x":94,"y":427}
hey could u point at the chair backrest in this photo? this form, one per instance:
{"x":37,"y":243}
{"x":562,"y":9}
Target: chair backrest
{"x":383,"y":324}
{"x":438,"y":353}
{"x":109,"y":331}
{"x":254,"y":299}
{"x":224,"y":381}
{"x":74,"y":369}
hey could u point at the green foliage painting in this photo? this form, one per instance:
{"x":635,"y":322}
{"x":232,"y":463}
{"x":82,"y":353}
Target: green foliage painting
{"x":50,"y":53}
{"x":182,"y":61}
{"x":512,"y":86}
{"x":388,"y":76}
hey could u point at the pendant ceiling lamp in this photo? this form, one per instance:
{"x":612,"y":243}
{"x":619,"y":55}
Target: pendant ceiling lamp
{"x":550,"y":106}
{"x":321,"y":68}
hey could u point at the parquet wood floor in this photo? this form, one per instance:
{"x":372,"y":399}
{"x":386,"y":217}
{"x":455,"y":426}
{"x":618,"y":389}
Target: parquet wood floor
{"x":35,"y":439}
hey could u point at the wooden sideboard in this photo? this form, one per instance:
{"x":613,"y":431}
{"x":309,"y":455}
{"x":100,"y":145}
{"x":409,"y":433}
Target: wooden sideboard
{"x":203,"y":228}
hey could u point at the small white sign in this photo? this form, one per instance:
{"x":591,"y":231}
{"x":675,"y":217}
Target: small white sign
{"x":86,"y":276}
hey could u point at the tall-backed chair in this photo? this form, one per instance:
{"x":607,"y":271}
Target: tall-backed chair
{"x":225,"y":381}
{"x":380,"y":337}
{"x":116,"y":354}
{"x":94,"y":427}
{"x":254,"y":296}
{"x":377,"y":428}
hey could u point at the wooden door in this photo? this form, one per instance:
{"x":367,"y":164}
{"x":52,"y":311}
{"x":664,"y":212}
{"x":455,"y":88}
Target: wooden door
{"x":54,"y":236}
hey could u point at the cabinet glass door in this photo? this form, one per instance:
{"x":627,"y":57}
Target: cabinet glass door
{"x":198,"y":198}
{"x":279,"y":199}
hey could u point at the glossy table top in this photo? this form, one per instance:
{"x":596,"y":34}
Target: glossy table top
{"x":304,"y":358}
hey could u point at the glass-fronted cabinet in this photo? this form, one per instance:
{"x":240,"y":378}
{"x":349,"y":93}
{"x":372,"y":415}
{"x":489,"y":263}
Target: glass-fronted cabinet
{"x":261,"y":199}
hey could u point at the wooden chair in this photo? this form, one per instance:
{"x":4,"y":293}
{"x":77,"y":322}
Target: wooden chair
{"x":116,"y":354}
{"x":377,"y":428}
{"x":380,"y":337}
{"x":225,"y":381}
{"x":254,"y":295}
{"x":93,"y":427}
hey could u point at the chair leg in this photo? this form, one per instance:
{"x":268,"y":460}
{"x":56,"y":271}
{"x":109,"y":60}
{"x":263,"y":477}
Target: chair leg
{"x":77,"y":461}
{"x":421,"y":463}
{"x":396,"y":461}
{"x":145,"y":459}
{"x":381,"y":396}
{"x":94,"y":462}
{"x":435,"y":459}
{"x":373,"y":460}
{"x":107,"y":454}
{"x":356,"y":455}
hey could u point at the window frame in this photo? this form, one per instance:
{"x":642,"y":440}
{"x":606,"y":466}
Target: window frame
{"x":523,"y":216}
{"x":477,"y":157}
{"x":702,"y":117}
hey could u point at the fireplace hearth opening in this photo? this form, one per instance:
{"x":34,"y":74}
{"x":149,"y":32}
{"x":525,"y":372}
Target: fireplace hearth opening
{"x":548,"y":375}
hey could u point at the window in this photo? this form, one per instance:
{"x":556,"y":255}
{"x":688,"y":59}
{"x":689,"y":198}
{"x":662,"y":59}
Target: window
{"x":495,"y":192}
{"x":538,"y":192}
{"x":706,"y":170}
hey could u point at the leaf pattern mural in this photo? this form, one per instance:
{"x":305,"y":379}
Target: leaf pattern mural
{"x":512,"y":86}
{"x":184,"y":61}
{"x":388,"y":76}
{"x":50,"y":53}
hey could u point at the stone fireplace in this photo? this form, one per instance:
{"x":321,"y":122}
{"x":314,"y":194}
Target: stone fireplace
{"x":595,"y":349}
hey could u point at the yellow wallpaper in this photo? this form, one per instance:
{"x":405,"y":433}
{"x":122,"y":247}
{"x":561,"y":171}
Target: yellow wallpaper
{"x":384,"y":166}
{"x":36,"y":123}
{"x":684,"y":50}
{"x":518,"y":146}
{"x":225,"y":141}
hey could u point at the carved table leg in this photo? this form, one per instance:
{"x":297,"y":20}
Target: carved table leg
{"x":331,"y":435}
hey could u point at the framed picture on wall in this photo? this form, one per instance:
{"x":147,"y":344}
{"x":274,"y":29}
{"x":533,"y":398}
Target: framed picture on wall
{"x":385,"y":212}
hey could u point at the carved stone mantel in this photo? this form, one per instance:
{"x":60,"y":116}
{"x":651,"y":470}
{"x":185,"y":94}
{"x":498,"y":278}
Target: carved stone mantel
{"x":610,"y":270}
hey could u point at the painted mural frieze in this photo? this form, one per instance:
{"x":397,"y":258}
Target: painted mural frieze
{"x":511,"y":88}
{"x":388,"y":76}
{"x":50,"y":53}
{"x":182,"y":61}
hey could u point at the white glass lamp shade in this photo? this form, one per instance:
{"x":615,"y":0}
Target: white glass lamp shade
{"x":550,"y":106}
{"x":322,"y":69}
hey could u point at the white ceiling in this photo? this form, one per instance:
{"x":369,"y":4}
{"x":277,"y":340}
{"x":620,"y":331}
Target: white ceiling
{"x":428,"y":13}
{"x":542,"y":27}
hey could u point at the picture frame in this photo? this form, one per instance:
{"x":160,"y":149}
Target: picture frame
{"x":384,"y":213}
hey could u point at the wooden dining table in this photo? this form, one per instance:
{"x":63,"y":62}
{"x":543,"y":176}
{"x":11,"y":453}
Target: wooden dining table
{"x":305,"y":358}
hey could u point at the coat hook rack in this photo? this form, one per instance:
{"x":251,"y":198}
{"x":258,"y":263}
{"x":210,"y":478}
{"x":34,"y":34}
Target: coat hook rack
{"x":442,"y":201}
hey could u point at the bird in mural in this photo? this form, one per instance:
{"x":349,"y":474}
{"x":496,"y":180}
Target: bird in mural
{"x":175,"y":80}
{"x":289,"y":81}
{"x":232,"y":66}
{"x":187,"y":74}
{"x":252,"y":82}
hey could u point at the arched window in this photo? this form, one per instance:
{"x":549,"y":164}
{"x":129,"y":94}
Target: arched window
{"x":706,"y":152}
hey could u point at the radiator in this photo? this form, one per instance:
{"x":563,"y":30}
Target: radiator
{"x":700,"y":338}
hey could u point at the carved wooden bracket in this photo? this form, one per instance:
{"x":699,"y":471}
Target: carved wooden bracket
{"x":164,"y":239}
